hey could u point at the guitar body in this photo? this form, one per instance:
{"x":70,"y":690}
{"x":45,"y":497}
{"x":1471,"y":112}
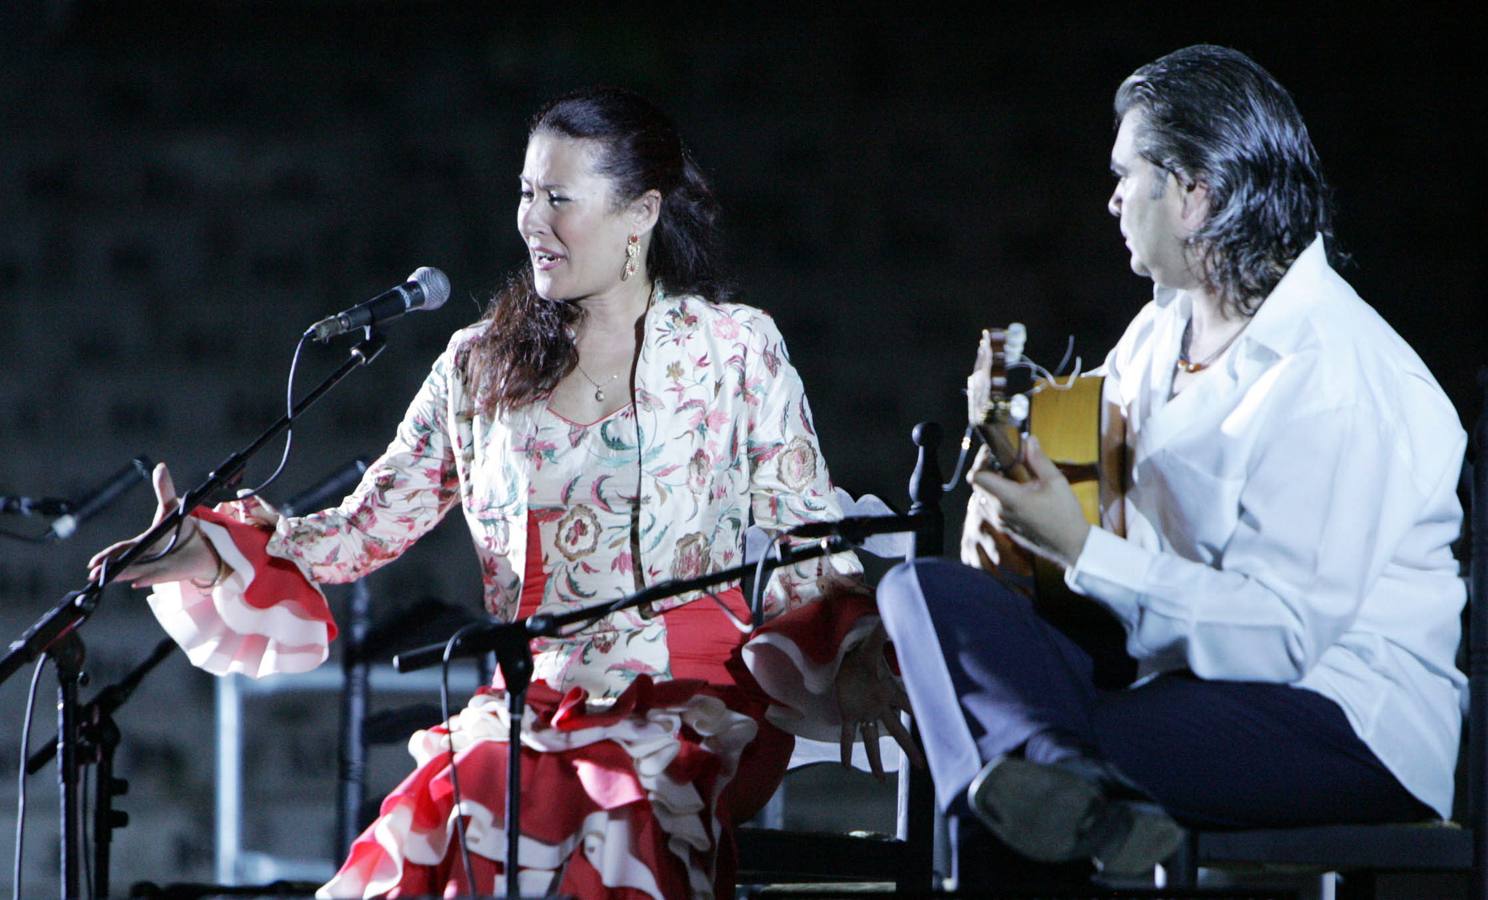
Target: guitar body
{"x":1085,"y":437}
{"x":1068,"y":423}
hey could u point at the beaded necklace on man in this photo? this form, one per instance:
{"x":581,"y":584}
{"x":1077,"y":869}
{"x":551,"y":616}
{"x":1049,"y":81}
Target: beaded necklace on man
{"x":1190,"y":366}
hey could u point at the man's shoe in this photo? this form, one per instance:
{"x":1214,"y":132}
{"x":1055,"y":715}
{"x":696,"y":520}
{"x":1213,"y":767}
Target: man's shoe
{"x":1063,"y":811}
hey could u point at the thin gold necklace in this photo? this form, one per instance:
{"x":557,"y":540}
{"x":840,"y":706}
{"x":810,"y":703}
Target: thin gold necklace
{"x":599,"y":393}
{"x":1188,"y":365}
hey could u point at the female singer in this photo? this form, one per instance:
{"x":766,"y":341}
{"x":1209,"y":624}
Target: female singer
{"x":611,"y":423}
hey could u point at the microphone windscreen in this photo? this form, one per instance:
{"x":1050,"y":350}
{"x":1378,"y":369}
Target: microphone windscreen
{"x":435,"y":285}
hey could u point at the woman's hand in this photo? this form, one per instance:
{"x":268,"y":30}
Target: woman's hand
{"x":192,"y":557}
{"x":1041,"y":515}
{"x":867,"y":696}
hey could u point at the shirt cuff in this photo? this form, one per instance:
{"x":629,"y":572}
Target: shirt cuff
{"x":1112,"y":570}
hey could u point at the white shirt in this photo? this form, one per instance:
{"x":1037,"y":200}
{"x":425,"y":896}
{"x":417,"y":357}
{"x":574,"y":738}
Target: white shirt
{"x":1290,"y":514}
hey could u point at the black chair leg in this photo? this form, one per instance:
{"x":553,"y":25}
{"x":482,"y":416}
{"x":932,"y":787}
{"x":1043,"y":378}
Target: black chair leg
{"x":1355,"y":886}
{"x":1182,"y":868}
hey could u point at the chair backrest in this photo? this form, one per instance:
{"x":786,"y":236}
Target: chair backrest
{"x":1465,"y":797}
{"x":910,"y":860}
{"x":1477,"y":633}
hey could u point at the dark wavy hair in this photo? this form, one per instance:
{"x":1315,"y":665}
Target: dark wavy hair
{"x":1213,"y":116}
{"x":527,"y":346}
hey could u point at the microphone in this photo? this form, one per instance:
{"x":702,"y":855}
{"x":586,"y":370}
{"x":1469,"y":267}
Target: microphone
{"x":332,"y":487}
{"x":855,"y":529}
{"x":137,"y":469}
{"x":426,"y":288}
{"x":34,"y":506}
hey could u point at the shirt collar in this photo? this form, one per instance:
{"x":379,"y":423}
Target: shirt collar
{"x":1275,"y":325}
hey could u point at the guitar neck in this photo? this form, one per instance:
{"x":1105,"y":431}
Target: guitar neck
{"x":1006,"y":445}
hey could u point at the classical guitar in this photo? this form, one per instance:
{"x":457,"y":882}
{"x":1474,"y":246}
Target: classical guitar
{"x":1068,"y":418}
{"x":1085,"y":440}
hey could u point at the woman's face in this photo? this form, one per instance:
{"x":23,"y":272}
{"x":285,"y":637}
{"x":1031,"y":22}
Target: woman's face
{"x":567,"y":217}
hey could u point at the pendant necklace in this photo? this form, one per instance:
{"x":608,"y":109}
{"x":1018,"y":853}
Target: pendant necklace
{"x":599,"y":393}
{"x":1188,"y":365}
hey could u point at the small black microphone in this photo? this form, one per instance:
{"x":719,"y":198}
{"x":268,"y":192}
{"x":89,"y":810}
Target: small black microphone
{"x":426,"y":288}
{"x":137,"y":470}
{"x":332,"y":487}
{"x":34,"y":506}
{"x":856,"y":528}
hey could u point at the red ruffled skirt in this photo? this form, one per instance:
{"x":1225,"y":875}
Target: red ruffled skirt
{"x":632,"y":799}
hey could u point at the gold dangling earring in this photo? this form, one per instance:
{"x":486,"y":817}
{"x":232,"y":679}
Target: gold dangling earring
{"x":632,"y":256}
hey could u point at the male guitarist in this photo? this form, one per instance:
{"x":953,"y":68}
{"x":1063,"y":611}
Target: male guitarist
{"x":1285,"y":582}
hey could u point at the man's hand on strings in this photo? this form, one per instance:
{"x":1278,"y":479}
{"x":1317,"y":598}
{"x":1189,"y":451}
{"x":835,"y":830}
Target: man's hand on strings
{"x":192,"y":556}
{"x":870,"y":697}
{"x":1042,"y":515}
{"x":985,"y":544}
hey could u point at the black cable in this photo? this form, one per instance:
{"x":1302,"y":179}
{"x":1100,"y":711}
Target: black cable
{"x":449,"y":731}
{"x":20,"y":840}
{"x":294,"y":364}
{"x":30,"y":539}
{"x":10,"y":506}
{"x":757,"y":589}
{"x":171,"y":545}
{"x":967,"y":440}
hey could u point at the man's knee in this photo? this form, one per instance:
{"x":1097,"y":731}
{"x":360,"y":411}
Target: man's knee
{"x":910,"y":577}
{"x":938,"y":583}
{"x":917,"y":584}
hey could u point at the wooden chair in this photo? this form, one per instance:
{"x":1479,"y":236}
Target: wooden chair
{"x":771,"y":856}
{"x":1361,"y":852}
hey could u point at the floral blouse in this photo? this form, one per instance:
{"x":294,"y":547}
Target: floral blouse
{"x":581,"y":507}
{"x":719,"y":431}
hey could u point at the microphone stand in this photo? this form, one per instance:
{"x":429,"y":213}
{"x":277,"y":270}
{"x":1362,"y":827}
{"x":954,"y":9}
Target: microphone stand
{"x":509,"y":641}
{"x":97,"y":741}
{"x":55,"y":633}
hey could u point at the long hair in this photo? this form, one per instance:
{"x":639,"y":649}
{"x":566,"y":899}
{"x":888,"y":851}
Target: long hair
{"x":527,"y":345}
{"x":1212,"y":115}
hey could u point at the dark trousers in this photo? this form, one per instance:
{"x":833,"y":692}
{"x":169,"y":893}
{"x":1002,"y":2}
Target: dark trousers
{"x":988,"y":676}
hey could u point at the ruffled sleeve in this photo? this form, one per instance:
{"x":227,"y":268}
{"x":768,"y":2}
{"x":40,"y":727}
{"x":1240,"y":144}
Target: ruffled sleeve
{"x":795,"y":658}
{"x":264,"y":617}
{"x":267,"y":616}
{"x":818,"y":610}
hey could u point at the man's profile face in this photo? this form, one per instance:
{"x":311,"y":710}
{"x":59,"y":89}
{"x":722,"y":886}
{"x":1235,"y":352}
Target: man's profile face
{"x":1149,"y":202}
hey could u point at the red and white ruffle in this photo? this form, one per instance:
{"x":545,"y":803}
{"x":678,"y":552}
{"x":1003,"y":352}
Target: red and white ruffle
{"x":795,"y":659}
{"x":623,"y":782}
{"x":637,"y":784}
{"x":265,"y":617}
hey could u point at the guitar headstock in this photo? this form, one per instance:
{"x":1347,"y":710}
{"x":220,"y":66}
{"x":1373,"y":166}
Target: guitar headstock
{"x":996,"y":413}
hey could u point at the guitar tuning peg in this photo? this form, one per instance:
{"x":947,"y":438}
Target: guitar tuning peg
{"x":1018,"y":408}
{"x":1016,"y":338}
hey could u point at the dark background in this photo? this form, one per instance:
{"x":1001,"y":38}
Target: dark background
{"x":186,"y":186}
